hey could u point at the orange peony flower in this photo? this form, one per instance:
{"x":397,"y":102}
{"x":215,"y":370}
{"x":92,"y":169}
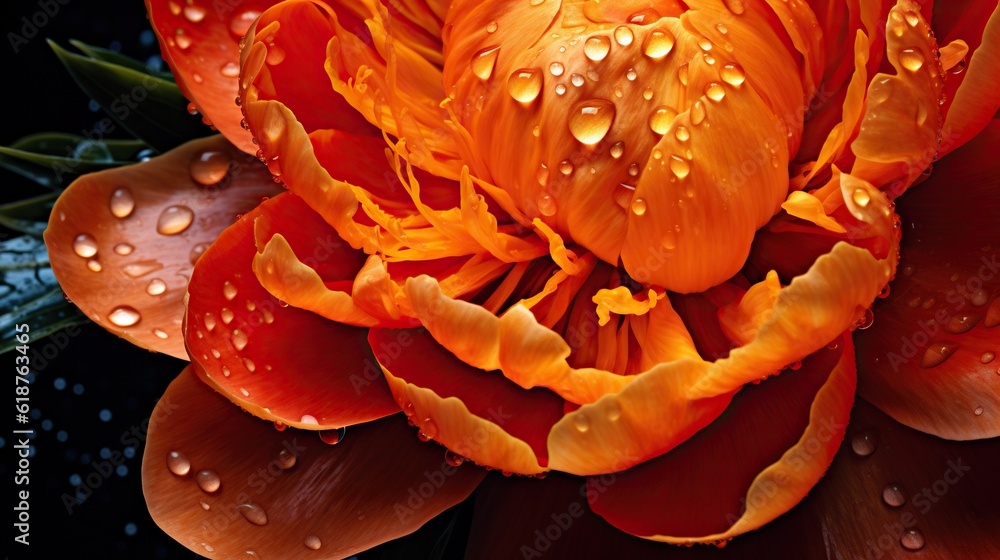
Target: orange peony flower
{"x":571,"y":237}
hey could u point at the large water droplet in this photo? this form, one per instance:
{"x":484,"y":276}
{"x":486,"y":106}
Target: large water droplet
{"x":861,"y":197}
{"x":937,"y":353}
{"x":178,"y":463}
{"x":912,"y":539}
{"x":639,"y":206}
{"x":581,"y":422}
{"x":556,"y":69}
{"x":697,"y":113}
{"x":596,"y":48}
{"x":963,"y":322}
{"x":122,"y":203}
{"x":209,"y":167}
{"x":194,"y":14}
{"x":227,"y":315}
{"x":85,"y":246}
{"x":228,"y":290}
{"x":577,"y":80}
{"x":333,"y":437}
{"x":525,"y":84}
{"x":309,"y":420}
{"x":715,"y":91}
{"x":658,"y":44}
{"x":682,"y":134}
{"x":241,"y":22}
{"x":286,"y":459}
{"x":679,"y":166}
{"x":911,"y":59}
{"x":231,"y":70}
{"x":156,"y":287}
{"x":174,"y":220}
{"x":733,"y":74}
{"x":893,"y":495}
{"x":208,"y":480}
{"x":659,"y":121}
{"x":590,"y":120}
{"x":617,"y":149}
{"x":124,"y":316}
{"x":254,"y":513}
{"x":546,"y":204}
{"x":864,"y":443}
{"x":239,"y":339}
{"x":312,"y":542}
{"x":483,"y":62}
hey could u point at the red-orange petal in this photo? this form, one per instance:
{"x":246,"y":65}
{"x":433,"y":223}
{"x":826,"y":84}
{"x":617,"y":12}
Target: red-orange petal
{"x":107,"y":249}
{"x":480,"y":415}
{"x":201,"y":45}
{"x":279,"y":362}
{"x":287,"y":494}
{"x":931,"y":355}
{"x":752,"y":464}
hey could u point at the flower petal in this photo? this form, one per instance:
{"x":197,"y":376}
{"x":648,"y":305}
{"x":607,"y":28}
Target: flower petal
{"x":201,"y":45}
{"x":123,"y":241}
{"x":274,"y":360}
{"x":481,"y":416}
{"x":747,"y":457}
{"x":288,"y":494}
{"x":931,"y":354}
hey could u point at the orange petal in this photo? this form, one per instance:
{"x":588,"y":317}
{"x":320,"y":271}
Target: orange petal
{"x":978,"y":98}
{"x":106,"y":245}
{"x":752,"y":464}
{"x":251,"y":347}
{"x":201,"y":45}
{"x":287,"y":494}
{"x":931,"y":355}
{"x":479,"y":415}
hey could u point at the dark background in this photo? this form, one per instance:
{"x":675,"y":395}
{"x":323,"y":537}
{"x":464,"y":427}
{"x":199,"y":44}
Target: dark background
{"x":91,"y":388}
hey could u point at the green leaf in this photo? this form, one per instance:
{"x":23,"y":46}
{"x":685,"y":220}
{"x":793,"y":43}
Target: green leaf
{"x":62,"y":144}
{"x":29,"y":215}
{"x":150,"y":108}
{"x":117,"y":59}
{"x":52,"y":159}
{"x":44,"y":315}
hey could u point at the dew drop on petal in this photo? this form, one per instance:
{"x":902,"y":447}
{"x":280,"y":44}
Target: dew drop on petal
{"x":209,"y":167}
{"x":911,"y":59}
{"x":124,"y":316}
{"x":912,"y":539}
{"x":697,"y":113}
{"x":286,"y":459}
{"x":254,"y":513}
{"x":590,"y":120}
{"x":333,"y":437}
{"x":122,"y":203}
{"x":239,"y":339}
{"x":639,"y":206}
{"x":174,"y":220}
{"x":230,"y":70}
{"x":581,"y":422}
{"x":658,"y":44}
{"x":85,"y":246}
{"x":94,"y":265}
{"x":308,"y":419}
{"x":241,"y":22}
{"x":178,"y":463}
{"x":194,"y":14}
{"x":617,"y":149}
{"x":893,"y":495}
{"x":937,"y":353}
{"x":624,"y":36}
{"x":196,"y":252}
{"x":864,"y":443}
{"x":987,"y":357}
{"x":483,"y":62}
{"x":597,"y":48}
{"x":452,"y":458}
{"x":979,"y":411}
{"x":660,"y":119}
{"x":124,"y":249}
{"x":525,"y":84}
{"x":228,"y":290}
{"x":208,"y":480}
{"x":715,"y":92}
{"x":733,"y":74}
{"x":546,"y":204}
{"x":312,"y":542}
{"x":156,"y":287}
{"x":556,"y":69}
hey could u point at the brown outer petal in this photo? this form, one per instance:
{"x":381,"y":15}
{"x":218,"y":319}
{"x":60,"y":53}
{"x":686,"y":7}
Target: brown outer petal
{"x":128,"y":280}
{"x":378,"y":484}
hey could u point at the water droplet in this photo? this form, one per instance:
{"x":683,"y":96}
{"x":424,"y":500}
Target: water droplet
{"x":309,"y":420}
{"x":697,"y":113}
{"x":987,"y":357}
{"x":525,"y":84}
{"x":861,"y":197}
{"x":735,"y":6}
{"x":566,"y":167}
{"x":228,"y":290}
{"x":178,"y":463}
{"x":312,"y":542}
{"x":286,"y":459}
{"x":216,"y":354}
{"x":893,"y":495}
{"x":204,"y":505}
{"x":556,"y":69}
{"x":581,"y":421}
{"x":253,"y":513}
{"x":705,"y":44}
{"x":590,"y":120}
{"x":979,"y":411}
{"x":141,"y":268}
{"x":617,"y":149}
{"x":911,"y":18}
{"x":122,"y":203}
{"x":560,"y":89}
{"x":596,"y":48}
{"x":633,"y":169}
{"x":241,"y":22}
{"x":937,"y":353}
{"x":124,"y":249}
{"x":248,"y":363}
{"x":658,"y":44}
{"x":614,"y":411}
{"x":156,"y":287}
{"x":239,"y":339}
{"x":679,"y":166}
{"x":715,"y":91}
{"x":210,"y":322}
{"x":647,"y":94}
{"x":733,"y":74}
{"x":231,"y":70}
{"x":682,"y":134}
{"x":979,"y":297}
{"x":576,"y":79}
{"x":492,"y":26}
{"x":85,"y":246}
{"x":624,"y":36}
{"x":174,"y":220}
{"x":196,"y":252}
{"x":721,"y":28}
{"x":639,"y":206}
{"x":94,"y":265}
{"x":483,"y":62}
{"x":194,"y":14}
{"x":208,"y":480}
{"x":911,"y":59}
{"x":866,"y":320}
{"x":659,"y":121}
{"x":864,"y":443}
{"x":124,"y":316}
{"x":183,"y":41}
{"x":962,"y":323}
{"x":546,"y":204}
{"x":333,"y":437}
{"x":912,"y":539}
{"x":631,"y":75}
{"x":209,"y":167}
{"x":452,"y":458}
{"x":684,"y":73}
